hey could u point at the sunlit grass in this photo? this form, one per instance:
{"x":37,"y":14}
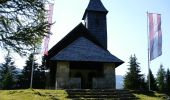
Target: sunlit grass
{"x":33,"y":94}
{"x":42,"y":94}
{"x":150,"y":95}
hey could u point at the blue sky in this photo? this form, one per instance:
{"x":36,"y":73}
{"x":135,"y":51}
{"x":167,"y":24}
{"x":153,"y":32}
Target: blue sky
{"x":126,"y":28}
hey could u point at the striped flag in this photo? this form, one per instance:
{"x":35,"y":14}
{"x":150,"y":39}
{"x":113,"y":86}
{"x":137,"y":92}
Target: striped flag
{"x":47,"y":38}
{"x":155,"y":35}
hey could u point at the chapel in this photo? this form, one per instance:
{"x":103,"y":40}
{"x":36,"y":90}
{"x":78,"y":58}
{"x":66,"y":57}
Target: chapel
{"x":81,"y":59}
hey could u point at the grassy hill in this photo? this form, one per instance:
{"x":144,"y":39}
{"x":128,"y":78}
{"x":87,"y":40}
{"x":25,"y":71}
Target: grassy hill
{"x":143,"y":95}
{"x":38,"y":94}
{"x":33,"y":94}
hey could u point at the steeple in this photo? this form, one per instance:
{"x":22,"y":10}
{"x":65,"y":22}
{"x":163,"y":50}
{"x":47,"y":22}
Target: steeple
{"x":95,"y":5}
{"x":95,"y":21}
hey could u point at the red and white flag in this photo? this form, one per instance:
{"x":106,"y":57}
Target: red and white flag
{"x":50,"y":13}
{"x":47,"y":38}
{"x":155,"y":35}
{"x":46,"y":42}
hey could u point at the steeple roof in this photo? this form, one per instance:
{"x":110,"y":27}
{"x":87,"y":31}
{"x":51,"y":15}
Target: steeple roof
{"x":95,"y":5}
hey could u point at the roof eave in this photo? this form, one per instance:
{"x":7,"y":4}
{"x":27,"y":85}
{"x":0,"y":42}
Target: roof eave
{"x":105,"y":12}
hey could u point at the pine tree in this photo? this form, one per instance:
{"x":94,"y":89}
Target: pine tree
{"x":168,"y":80}
{"x":8,"y":74}
{"x":153,"y":85}
{"x":133,"y":79}
{"x":161,"y":78}
{"x":8,"y":81}
{"x":38,"y":75}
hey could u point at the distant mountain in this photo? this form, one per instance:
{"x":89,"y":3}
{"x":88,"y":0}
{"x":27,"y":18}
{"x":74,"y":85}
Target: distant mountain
{"x":119,"y":82}
{"x":18,"y":70}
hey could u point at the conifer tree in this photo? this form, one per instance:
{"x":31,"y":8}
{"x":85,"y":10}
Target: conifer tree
{"x":161,"y":78}
{"x":133,"y":79}
{"x":168,"y":80}
{"x":23,"y":24}
{"x":8,"y":74}
{"x":153,"y":85}
{"x":38,"y":75}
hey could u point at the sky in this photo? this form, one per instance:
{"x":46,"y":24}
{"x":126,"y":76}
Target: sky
{"x":126,"y":29}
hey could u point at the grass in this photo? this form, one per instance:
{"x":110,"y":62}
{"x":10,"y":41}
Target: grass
{"x":38,"y":94}
{"x":146,"y":95}
{"x":33,"y":94}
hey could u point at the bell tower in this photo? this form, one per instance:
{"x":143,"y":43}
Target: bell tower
{"x":95,"y":21}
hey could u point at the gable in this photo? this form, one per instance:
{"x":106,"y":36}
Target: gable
{"x":83,"y":49}
{"x":79,"y":30}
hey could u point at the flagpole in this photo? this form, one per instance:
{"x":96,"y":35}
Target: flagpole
{"x":32,"y":68}
{"x":149,"y":87}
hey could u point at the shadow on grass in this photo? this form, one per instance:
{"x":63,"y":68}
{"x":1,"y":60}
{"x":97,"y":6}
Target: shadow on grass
{"x":164,"y":96}
{"x":147,"y":93}
{"x":52,"y":97}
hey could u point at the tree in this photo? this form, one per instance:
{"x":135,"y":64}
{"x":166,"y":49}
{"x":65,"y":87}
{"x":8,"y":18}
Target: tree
{"x":153,"y":85}
{"x":168,"y":80}
{"x":8,"y":74}
{"x":22,"y":24}
{"x":161,"y":78}
{"x":8,"y":81}
{"x":38,"y":75}
{"x":133,"y":79}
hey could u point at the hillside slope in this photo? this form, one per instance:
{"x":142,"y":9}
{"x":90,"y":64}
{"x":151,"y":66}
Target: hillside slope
{"x":38,"y":94}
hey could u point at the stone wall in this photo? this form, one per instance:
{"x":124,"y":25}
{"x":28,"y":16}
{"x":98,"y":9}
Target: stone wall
{"x":65,"y":81}
{"x":108,"y":81}
{"x":62,"y":75}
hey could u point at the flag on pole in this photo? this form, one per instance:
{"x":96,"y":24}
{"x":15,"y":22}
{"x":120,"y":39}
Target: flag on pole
{"x":47,"y":38}
{"x":46,"y":42}
{"x":155,"y":35}
{"x":50,"y":13}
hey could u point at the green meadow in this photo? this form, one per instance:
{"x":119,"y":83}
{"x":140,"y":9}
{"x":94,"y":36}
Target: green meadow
{"x":143,"y":95}
{"x":40,"y":94}
{"x":33,"y":94}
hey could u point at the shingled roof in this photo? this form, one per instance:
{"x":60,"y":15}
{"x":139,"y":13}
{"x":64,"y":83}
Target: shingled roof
{"x":95,"y":5}
{"x":79,"y":45}
{"x":79,"y":30}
